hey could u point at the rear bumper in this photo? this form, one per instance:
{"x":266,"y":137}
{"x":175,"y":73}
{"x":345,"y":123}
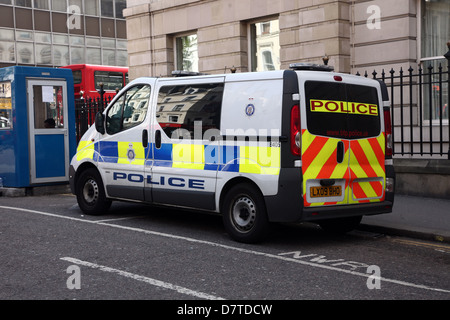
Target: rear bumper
{"x":287,"y":205}
{"x":320,"y":213}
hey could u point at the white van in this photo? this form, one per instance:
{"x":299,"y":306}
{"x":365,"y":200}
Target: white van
{"x":281,"y":146}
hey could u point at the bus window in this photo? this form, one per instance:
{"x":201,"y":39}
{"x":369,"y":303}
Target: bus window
{"x":76,"y":76}
{"x":110,"y":79}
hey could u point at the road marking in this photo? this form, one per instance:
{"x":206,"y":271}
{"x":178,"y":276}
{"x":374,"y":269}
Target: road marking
{"x":154,"y":282}
{"x":440,"y":247}
{"x":242,"y":250}
{"x":119,"y":219}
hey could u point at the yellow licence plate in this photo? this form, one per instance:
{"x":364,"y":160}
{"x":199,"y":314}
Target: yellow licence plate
{"x":323,"y":192}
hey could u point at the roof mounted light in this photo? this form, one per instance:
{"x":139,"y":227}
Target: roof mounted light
{"x":310,"y":67}
{"x":182,"y":73}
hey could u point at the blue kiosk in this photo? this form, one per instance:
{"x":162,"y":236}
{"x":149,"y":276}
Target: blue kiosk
{"x":37,"y":126}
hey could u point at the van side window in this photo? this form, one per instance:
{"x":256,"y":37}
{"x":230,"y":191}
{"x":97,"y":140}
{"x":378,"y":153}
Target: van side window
{"x":183,"y":107}
{"x":129,"y":110}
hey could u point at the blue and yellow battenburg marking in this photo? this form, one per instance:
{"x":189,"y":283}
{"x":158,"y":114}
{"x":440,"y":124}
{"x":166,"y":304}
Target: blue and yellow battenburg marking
{"x":243,"y":159}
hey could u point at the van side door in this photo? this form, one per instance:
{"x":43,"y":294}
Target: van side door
{"x":122,"y":153}
{"x":185,"y":149}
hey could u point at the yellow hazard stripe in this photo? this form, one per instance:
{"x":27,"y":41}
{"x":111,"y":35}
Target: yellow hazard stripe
{"x":85,"y":149}
{"x":260,"y":160}
{"x":188,"y":156}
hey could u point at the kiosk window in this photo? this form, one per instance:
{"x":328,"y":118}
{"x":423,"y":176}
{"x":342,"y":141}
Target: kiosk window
{"x":48,"y":107}
{"x":5,"y":105}
{"x":129,"y":110}
{"x":188,"y":111}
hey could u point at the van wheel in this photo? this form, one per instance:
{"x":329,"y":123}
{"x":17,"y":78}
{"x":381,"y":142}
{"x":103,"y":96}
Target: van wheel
{"x":244,"y":214}
{"x":90,"y":193}
{"x":340,"y":225}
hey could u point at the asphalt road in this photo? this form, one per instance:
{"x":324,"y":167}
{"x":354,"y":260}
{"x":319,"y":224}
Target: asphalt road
{"x":51,"y":251}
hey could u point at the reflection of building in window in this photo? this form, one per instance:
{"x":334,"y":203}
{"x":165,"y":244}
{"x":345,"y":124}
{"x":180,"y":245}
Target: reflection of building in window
{"x":267,"y":60}
{"x":435,"y":33}
{"x":25,"y":55}
{"x":265,"y":46}
{"x":37,"y":22}
{"x":5,"y":105}
{"x":44,"y":55}
{"x":187,"y":53}
{"x":129,"y":110}
{"x":183,"y":107}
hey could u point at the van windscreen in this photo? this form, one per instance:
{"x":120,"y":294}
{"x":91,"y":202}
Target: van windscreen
{"x":340,"y":110}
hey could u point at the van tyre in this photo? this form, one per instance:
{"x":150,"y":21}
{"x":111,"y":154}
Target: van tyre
{"x":340,"y":225}
{"x":91,"y":193}
{"x":244,"y":214}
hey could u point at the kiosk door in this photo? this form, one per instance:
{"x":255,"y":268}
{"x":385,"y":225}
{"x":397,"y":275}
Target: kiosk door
{"x":49,"y":143}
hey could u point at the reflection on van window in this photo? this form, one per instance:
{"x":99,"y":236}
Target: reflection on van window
{"x":5,"y":105}
{"x":185,"y":107}
{"x":129,"y":110}
{"x":340,"y":110}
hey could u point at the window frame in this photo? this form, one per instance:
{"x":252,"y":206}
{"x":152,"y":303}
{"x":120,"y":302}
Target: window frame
{"x":179,"y":58}
{"x":122,"y":100}
{"x":255,"y":56}
{"x":423,"y":64}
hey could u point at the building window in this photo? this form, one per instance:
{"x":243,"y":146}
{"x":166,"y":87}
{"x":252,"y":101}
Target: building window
{"x":265,"y":46}
{"x":435,"y":33}
{"x":107,"y":8}
{"x":23,"y":3}
{"x":187,"y":53}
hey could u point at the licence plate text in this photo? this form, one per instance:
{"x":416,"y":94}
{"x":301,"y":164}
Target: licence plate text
{"x":321,"y":192}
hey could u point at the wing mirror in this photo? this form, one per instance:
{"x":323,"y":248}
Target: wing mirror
{"x":100,"y":122}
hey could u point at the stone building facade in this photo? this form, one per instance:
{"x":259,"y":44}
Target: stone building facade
{"x":355,"y":35}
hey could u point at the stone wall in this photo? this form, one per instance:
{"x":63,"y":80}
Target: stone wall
{"x":309,"y":30}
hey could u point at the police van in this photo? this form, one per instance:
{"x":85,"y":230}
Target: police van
{"x":304,"y":144}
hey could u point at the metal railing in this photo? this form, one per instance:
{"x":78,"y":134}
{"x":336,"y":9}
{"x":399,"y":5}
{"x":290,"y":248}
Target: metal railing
{"x":86,"y":109}
{"x":419,"y":109}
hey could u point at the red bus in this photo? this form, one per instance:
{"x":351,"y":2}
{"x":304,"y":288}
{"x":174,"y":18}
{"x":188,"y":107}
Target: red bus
{"x":87,"y":79}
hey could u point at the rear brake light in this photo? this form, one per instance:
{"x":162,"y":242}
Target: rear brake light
{"x":388,"y":132}
{"x":295,"y":131}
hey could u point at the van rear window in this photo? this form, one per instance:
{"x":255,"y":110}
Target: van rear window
{"x":341,"y":110}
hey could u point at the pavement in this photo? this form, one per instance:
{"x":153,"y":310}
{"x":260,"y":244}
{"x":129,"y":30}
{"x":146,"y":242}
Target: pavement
{"x":412,"y":216}
{"x":415,"y":217}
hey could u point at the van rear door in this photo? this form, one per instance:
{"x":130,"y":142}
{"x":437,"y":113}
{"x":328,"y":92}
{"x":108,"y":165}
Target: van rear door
{"x":342,"y":141}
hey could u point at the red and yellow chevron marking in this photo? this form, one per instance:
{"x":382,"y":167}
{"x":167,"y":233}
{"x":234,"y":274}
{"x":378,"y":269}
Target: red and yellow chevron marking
{"x":362,"y":167}
{"x":319,"y":162}
{"x":367,"y":170}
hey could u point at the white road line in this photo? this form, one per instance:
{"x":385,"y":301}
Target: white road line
{"x":137,"y":277}
{"x":268,"y":255}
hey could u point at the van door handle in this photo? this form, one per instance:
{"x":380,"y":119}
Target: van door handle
{"x":158,"y":139}
{"x":145,"y":138}
{"x":340,"y":152}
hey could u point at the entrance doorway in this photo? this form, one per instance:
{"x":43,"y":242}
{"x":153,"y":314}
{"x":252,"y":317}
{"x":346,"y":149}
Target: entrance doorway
{"x":48,"y":129}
